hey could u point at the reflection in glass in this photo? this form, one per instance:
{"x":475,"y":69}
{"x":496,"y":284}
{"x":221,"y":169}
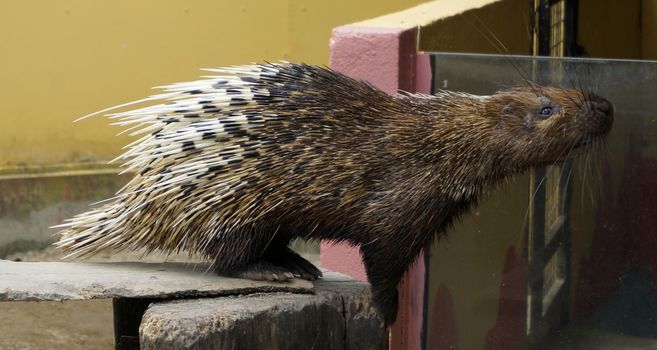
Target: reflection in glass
{"x":598,"y":267}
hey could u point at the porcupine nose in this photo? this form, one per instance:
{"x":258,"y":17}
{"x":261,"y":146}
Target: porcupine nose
{"x":603,"y":114}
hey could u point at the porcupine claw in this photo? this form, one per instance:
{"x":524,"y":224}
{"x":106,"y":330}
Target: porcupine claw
{"x":299,"y":266}
{"x":263,"y":270}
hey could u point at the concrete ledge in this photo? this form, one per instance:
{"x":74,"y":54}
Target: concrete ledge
{"x":337,"y":316}
{"x":424,"y":14}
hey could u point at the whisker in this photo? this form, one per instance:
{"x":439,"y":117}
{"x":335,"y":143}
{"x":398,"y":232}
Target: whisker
{"x":597,"y":82}
{"x":501,"y":48}
{"x":530,"y":31}
{"x":525,"y":220}
{"x":569,"y":74}
{"x":570,"y":172}
{"x":595,"y":165}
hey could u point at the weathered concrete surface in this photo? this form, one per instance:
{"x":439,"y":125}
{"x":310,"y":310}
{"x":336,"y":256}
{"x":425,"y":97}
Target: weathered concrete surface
{"x":21,"y":281}
{"x":337,"y":316}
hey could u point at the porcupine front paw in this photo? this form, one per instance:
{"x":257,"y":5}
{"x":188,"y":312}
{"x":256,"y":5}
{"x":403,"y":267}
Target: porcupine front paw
{"x":263,"y":270}
{"x":299,"y":266}
{"x":386,"y":302}
{"x":281,"y":265}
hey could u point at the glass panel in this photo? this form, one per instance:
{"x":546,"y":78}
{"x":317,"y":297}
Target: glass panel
{"x":477,"y":293}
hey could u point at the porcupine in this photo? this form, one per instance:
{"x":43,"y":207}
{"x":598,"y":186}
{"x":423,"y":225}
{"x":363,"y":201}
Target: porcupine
{"x":234,"y":166}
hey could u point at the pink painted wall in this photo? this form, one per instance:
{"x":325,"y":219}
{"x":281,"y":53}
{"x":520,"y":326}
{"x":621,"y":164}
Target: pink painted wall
{"x":370,"y":54}
{"x":381,"y":56}
{"x":387,"y":58}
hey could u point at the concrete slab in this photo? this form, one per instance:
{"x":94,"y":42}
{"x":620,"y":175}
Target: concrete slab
{"x":40,"y":281}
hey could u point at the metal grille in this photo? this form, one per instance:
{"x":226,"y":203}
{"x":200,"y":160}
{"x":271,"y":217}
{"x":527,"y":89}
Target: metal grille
{"x":549,"y":240}
{"x":557,"y":28}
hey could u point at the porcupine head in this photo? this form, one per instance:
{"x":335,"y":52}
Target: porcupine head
{"x":234,"y":166}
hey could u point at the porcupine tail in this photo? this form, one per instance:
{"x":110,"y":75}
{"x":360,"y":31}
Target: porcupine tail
{"x":188,"y":147}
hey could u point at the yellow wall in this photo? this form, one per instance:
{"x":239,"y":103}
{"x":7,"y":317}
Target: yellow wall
{"x":481,"y":30}
{"x":610,"y":28}
{"x":649,"y":29}
{"x":63,"y":59}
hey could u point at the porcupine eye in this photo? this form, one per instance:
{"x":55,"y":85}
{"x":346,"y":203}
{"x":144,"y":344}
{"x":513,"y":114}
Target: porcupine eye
{"x":546,"y":112}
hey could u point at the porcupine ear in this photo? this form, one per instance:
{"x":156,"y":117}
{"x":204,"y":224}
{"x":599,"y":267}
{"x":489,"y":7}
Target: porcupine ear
{"x":501,"y":99}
